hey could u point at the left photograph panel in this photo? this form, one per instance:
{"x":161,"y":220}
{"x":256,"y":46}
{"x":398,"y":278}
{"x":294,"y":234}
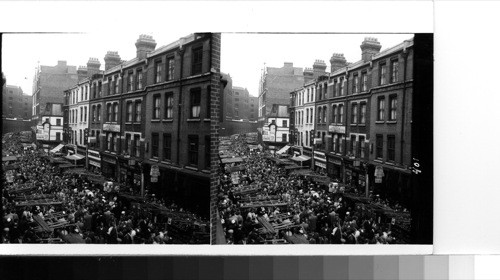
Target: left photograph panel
{"x":107,"y":140}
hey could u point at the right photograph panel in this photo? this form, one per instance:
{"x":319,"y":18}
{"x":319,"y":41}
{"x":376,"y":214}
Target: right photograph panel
{"x":323,"y":139}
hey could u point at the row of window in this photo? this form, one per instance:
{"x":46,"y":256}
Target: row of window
{"x":192,"y":148}
{"x":381,"y":108}
{"x":74,"y":113}
{"x":386,"y":74}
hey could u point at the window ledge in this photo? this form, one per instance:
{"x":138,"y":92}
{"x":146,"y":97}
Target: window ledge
{"x":155,"y":120}
{"x":390,"y":163}
{"x":206,"y":120}
{"x":166,"y":162}
{"x":361,"y":124}
{"x":206,"y":171}
{"x":191,"y":168}
{"x":193,"y":120}
{"x":379,"y":121}
{"x":128,"y":122}
{"x":378,"y":160}
{"x":354,"y":124}
{"x":391,"y":122}
{"x":168,"y":120}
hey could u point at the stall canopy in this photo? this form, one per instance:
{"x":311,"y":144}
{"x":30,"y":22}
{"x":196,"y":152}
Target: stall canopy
{"x":9,"y":158}
{"x":283,"y":150}
{"x":57,"y":149}
{"x":75,"y":157}
{"x":301,"y":158}
{"x":231,"y":160}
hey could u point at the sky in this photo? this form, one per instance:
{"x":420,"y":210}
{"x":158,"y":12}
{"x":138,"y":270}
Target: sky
{"x":21,"y":52}
{"x":243,"y":55}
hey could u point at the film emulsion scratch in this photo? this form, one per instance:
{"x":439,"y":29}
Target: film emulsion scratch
{"x":325,"y":151}
{"x":116,"y":152}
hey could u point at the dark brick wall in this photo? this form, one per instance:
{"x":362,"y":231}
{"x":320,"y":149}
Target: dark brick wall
{"x":217,"y":90}
{"x":15,"y":126}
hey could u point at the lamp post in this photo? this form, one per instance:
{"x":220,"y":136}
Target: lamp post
{"x":271,"y":127}
{"x":311,"y":135}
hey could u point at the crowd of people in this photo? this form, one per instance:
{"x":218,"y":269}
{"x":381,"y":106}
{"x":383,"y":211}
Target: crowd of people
{"x":89,"y":213}
{"x":312,"y":211}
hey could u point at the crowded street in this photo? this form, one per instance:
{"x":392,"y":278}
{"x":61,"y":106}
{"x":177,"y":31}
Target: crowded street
{"x":266,"y":198}
{"x":44,"y":203}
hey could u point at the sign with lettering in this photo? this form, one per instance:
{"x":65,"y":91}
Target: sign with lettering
{"x":336,"y":128}
{"x":111,"y":127}
{"x":379,"y":171}
{"x":155,"y":170}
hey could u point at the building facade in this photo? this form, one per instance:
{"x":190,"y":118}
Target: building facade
{"x":275,"y":87}
{"x":361,"y":130}
{"x":148,"y":118}
{"x":49,"y":84}
{"x":15,"y":103}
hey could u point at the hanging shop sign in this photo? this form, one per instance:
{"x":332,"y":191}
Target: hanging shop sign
{"x":154,"y":179}
{"x":378,"y":180}
{"x":155,"y":170}
{"x":379,"y":171}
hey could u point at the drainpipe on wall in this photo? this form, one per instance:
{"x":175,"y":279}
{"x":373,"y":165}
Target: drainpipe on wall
{"x":405,"y":56}
{"x":179,"y":114}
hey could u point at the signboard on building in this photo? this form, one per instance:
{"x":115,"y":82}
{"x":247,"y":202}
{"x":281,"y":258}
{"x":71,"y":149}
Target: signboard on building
{"x":94,"y":155}
{"x":155,"y":170}
{"x":320,"y":164}
{"x":92,"y":139}
{"x":379,"y":171}
{"x":336,"y":128}
{"x":154,"y":179}
{"x":95,"y":163}
{"x":111,"y":127}
{"x":318,"y":141}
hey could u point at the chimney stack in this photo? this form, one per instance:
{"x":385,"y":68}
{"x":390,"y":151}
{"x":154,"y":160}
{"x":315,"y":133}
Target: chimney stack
{"x":81,"y":72}
{"x":308,"y":75}
{"x":111,"y":59}
{"x":369,"y":47}
{"x":145,"y":44}
{"x":337,"y":61}
{"x":93,"y":66}
{"x":319,"y":68}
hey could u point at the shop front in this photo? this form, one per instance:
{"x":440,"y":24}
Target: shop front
{"x":81,"y":150}
{"x":130,"y":173}
{"x":187,"y":189}
{"x":319,"y":162}
{"x":94,"y":161}
{"x":356,"y":171}
{"x":109,"y":166}
{"x":334,"y":166}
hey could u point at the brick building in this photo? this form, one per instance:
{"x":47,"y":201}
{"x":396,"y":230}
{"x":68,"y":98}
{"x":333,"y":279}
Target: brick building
{"x":15,"y":103}
{"x":239,"y":110}
{"x":275,"y":87}
{"x":362,"y":118}
{"x":49,"y":84}
{"x":149,"y":118}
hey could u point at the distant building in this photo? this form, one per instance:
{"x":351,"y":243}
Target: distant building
{"x":49,"y":84}
{"x":275,"y":87}
{"x":239,"y":109}
{"x":15,"y":103}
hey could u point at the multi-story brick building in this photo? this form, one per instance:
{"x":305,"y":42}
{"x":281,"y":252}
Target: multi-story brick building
{"x":275,"y":87}
{"x":149,"y":118}
{"x":49,"y":84}
{"x":239,"y":110}
{"x":361,"y":118}
{"x":15,"y":103}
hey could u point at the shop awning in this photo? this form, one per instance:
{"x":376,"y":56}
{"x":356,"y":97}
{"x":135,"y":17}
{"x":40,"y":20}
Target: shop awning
{"x":57,"y":149}
{"x":301,"y":158}
{"x":231,"y":160}
{"x":9,"y":158}
{"x":283,"y":150}
{"x":75,"y":157}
